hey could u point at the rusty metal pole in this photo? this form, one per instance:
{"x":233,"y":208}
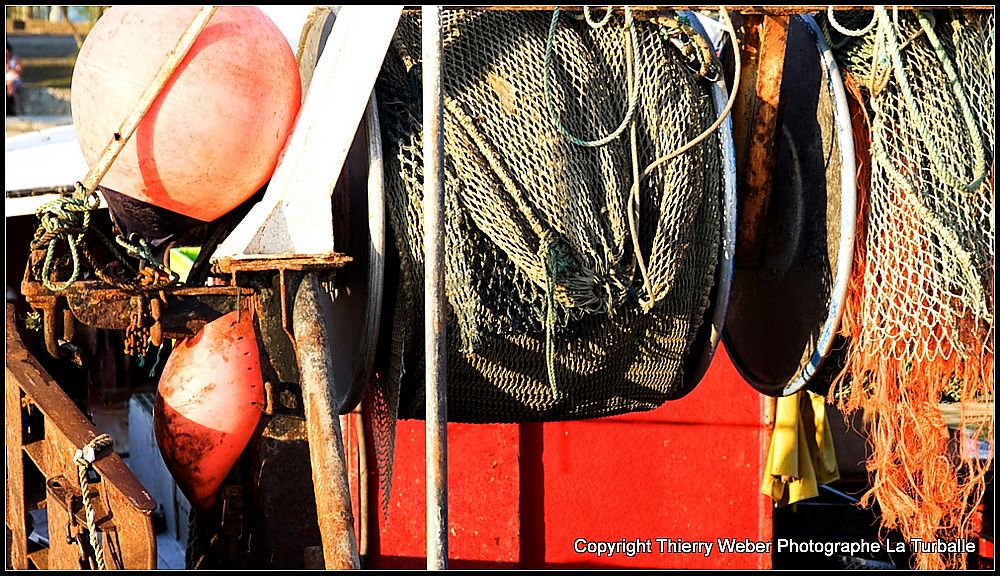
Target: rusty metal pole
{"x":757,"y":127}
{"x":323,"y":400}
{"x":434,"y":298}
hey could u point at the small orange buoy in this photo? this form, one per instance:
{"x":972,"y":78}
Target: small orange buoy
{"x":213,"y":136}
{"x":208,"y":403}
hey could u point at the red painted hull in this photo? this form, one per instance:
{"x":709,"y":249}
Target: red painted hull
{"x":522,"y":495}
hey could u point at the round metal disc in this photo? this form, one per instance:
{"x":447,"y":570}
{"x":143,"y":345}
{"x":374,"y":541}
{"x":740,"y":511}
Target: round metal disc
{"x":358,"y":231}
{"x":359,"y":219}
{"x":783,"y":316}
{"x":707,"y":340}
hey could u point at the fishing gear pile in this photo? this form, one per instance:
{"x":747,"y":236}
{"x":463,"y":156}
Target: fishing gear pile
{"x":920,"y":310}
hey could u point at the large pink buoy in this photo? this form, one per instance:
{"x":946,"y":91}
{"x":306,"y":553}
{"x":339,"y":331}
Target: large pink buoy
{"x":214,"y":135}
{"x":208,"y":403}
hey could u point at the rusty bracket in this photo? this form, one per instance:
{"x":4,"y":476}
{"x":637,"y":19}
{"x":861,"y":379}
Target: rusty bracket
{"x":173,"y":312}
{"x":49,"y":309}
{"x":149,"y":316}
{"x":230,"y":265}
{"x":70,"y":499}
{"x":58,"y":326}
{"x":282,"y":265}
{"x":183,"y":312}
{"x":75,"y":535}
{"x":757,"y":121}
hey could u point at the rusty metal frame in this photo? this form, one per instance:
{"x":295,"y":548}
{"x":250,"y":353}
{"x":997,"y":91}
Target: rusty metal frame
{"x":43,"y":431}
{"x":230,"y":265}
{"x":173,"y":312}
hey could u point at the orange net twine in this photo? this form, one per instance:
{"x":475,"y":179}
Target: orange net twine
{"x":927,"y":481}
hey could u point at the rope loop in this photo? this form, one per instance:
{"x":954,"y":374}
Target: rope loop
{"x":631,"y":40}
{"x":65,"y":219}
{"x":832,"y":19}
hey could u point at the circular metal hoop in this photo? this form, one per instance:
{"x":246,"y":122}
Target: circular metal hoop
{"x":784,"y":316}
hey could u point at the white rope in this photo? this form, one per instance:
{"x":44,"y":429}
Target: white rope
{"x":84,"y":459}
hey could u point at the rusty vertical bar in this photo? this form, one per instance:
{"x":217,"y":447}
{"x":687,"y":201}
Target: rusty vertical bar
{"x":758,"y":123}
{"x":323,"y":400}
{"x":363,"y":510}
{"x":434,"y":298}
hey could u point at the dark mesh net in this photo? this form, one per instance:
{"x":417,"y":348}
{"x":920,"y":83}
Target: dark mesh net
{"x":550,"y":316}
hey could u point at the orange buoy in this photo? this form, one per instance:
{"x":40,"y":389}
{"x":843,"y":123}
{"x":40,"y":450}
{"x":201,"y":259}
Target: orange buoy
{"x":208,"y":403}
{"x":214,"y":135}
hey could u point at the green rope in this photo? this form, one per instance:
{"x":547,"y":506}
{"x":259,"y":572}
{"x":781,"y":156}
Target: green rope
{"x":631,"y":40}
{"x":556,"y":264}
{"x":140,"y":249}
{"x":631,"y":61}
{"x":65,"y":219}
{"x":556,"y":261}
{"x":940,"y":165}
{"x":833,"y":43}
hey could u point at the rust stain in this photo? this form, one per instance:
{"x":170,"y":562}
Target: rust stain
{"x":760,"y":118}
{"x":182,"y":452}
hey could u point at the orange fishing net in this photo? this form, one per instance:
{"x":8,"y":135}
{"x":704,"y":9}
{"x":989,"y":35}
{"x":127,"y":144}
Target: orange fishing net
{"x":919,"y":313}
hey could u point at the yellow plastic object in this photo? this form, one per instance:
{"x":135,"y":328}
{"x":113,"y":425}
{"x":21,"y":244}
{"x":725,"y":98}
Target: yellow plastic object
{"x":801,"y":456}
{"x":182,"y":259}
